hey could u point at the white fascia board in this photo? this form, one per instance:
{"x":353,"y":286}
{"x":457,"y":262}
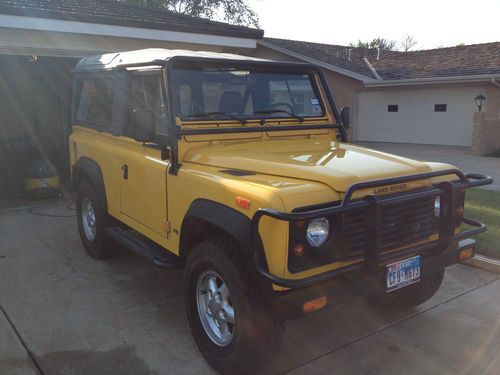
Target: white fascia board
{"x":28,"y":51}
{"x":45,"y":24}
{"x":432,"y":81}
{"x":333,"y":68}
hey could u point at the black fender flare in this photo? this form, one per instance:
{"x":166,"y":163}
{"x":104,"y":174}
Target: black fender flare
{"x":224,"y":218}
{"x":88,"y":168}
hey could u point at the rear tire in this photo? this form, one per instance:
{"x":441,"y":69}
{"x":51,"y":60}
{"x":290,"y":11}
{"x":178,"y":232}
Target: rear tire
{"x":254,"y":335}
{"x":91,"y":219}
{"x":412,"y":295}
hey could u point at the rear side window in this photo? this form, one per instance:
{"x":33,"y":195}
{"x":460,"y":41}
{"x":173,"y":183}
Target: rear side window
{"x":96,"y":99}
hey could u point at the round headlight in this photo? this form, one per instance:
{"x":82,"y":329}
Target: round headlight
{"x":318,"y":231}
{"x":437,"y":206}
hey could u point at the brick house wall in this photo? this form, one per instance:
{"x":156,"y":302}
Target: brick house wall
{"x":486,"y":129}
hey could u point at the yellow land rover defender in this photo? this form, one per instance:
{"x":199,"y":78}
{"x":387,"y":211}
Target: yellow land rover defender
{"x":238,"y":170}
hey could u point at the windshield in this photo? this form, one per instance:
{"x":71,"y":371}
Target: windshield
{"x":241,"y":94}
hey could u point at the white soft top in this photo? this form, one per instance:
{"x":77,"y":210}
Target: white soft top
{"x":113,"y":60}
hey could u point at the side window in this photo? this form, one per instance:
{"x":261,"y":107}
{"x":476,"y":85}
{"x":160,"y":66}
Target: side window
{"x":146,"y":93}
{"x":96,"y":101}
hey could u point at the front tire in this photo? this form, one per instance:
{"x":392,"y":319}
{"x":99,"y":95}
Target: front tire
{"x":412,"y":295}
{"x":91,"y":219}
{"x":233,"y":330}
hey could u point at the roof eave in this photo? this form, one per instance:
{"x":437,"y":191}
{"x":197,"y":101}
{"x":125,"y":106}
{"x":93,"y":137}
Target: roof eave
{"x":432,"y":80}
{"x":73,"y":27}
{"x":322,"y":64}
{"x":204,"y":25}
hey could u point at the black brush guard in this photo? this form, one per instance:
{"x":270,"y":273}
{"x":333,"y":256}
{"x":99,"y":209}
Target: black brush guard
{"x":374,"y":257}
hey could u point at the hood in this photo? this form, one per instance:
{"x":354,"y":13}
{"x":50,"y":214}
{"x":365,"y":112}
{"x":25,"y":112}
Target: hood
{"x":335,"y":164}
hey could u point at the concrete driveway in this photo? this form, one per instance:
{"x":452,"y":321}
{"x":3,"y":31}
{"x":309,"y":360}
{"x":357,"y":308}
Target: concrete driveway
{"x":65,"y":313}
{"x":458,"y":156}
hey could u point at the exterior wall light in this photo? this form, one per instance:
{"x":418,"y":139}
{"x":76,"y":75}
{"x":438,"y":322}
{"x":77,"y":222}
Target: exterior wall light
{"x":480,"y":99}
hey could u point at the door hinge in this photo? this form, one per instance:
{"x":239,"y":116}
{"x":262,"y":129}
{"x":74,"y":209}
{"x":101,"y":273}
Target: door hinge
{"x":166,"y":226}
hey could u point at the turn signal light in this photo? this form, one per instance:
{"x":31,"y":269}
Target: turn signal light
{"x":466,"y":253}
{"x":243,"y":202}
{"x":298,"y":250}
{"x":314,"y":305}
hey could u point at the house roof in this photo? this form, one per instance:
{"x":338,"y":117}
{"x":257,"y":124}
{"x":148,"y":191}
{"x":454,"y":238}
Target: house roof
{"x":349,"y":58}
{"x":476,"y":59}
{"x":471,"y":60}
{"x":112,"y":12}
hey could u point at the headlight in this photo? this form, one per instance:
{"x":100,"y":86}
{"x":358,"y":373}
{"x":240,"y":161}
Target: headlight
{"x":437,"y":206}
{"x":318,"y":231}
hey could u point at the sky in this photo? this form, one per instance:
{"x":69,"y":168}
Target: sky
{"x":433,"y":23}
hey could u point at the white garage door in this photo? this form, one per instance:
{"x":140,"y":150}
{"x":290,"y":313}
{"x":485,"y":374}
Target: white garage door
{"x":420,"y":115}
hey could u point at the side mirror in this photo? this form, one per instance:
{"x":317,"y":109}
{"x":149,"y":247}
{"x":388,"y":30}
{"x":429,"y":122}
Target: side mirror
{"x":144,"y":125}
{"x":345,"y":117}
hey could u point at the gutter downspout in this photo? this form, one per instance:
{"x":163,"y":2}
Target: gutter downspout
{"x":494,"y":81}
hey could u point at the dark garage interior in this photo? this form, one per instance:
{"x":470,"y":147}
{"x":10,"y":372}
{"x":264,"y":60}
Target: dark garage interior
{"x":35,"y":101}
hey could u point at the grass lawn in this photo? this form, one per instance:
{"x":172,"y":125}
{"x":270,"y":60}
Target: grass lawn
{"x":485,"y":205}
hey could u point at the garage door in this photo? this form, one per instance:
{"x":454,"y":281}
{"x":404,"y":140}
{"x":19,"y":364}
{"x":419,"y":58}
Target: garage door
{"x":421,"y":115}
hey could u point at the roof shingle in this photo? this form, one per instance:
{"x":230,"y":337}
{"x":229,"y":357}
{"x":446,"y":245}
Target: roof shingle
{"x":468,"y":60}
{"x":476,"y":59}
{"x":118,"y":13}
{"x":350,"y":58}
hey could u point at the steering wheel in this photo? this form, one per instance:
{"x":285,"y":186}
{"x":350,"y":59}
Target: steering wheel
{"x":283,"y":104}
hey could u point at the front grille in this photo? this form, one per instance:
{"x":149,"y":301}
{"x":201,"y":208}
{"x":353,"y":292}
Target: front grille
{"x":402,"y":224}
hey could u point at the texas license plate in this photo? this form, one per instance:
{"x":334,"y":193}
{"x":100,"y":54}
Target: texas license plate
{"x":403,"y":273}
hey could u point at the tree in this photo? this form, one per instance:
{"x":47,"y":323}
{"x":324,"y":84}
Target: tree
{"x":384,"y":44}
{"x":237,"y":12}
{"x":408,"y":43}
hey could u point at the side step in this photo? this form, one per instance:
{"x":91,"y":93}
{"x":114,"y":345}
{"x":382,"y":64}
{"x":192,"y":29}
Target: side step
{"x":145,"y":248}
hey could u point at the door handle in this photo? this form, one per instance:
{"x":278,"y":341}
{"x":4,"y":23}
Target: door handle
{"x":125,"y":171}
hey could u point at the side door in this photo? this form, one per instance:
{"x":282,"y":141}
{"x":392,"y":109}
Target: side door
{"x":144,"y":174}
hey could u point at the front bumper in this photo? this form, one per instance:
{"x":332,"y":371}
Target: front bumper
{"x":438,"y":253}
{"x":343,"y":289}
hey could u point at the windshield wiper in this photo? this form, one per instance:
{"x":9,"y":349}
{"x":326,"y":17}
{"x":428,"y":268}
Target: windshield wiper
{"x":210,"y":114}
{"x":271,"y":111}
